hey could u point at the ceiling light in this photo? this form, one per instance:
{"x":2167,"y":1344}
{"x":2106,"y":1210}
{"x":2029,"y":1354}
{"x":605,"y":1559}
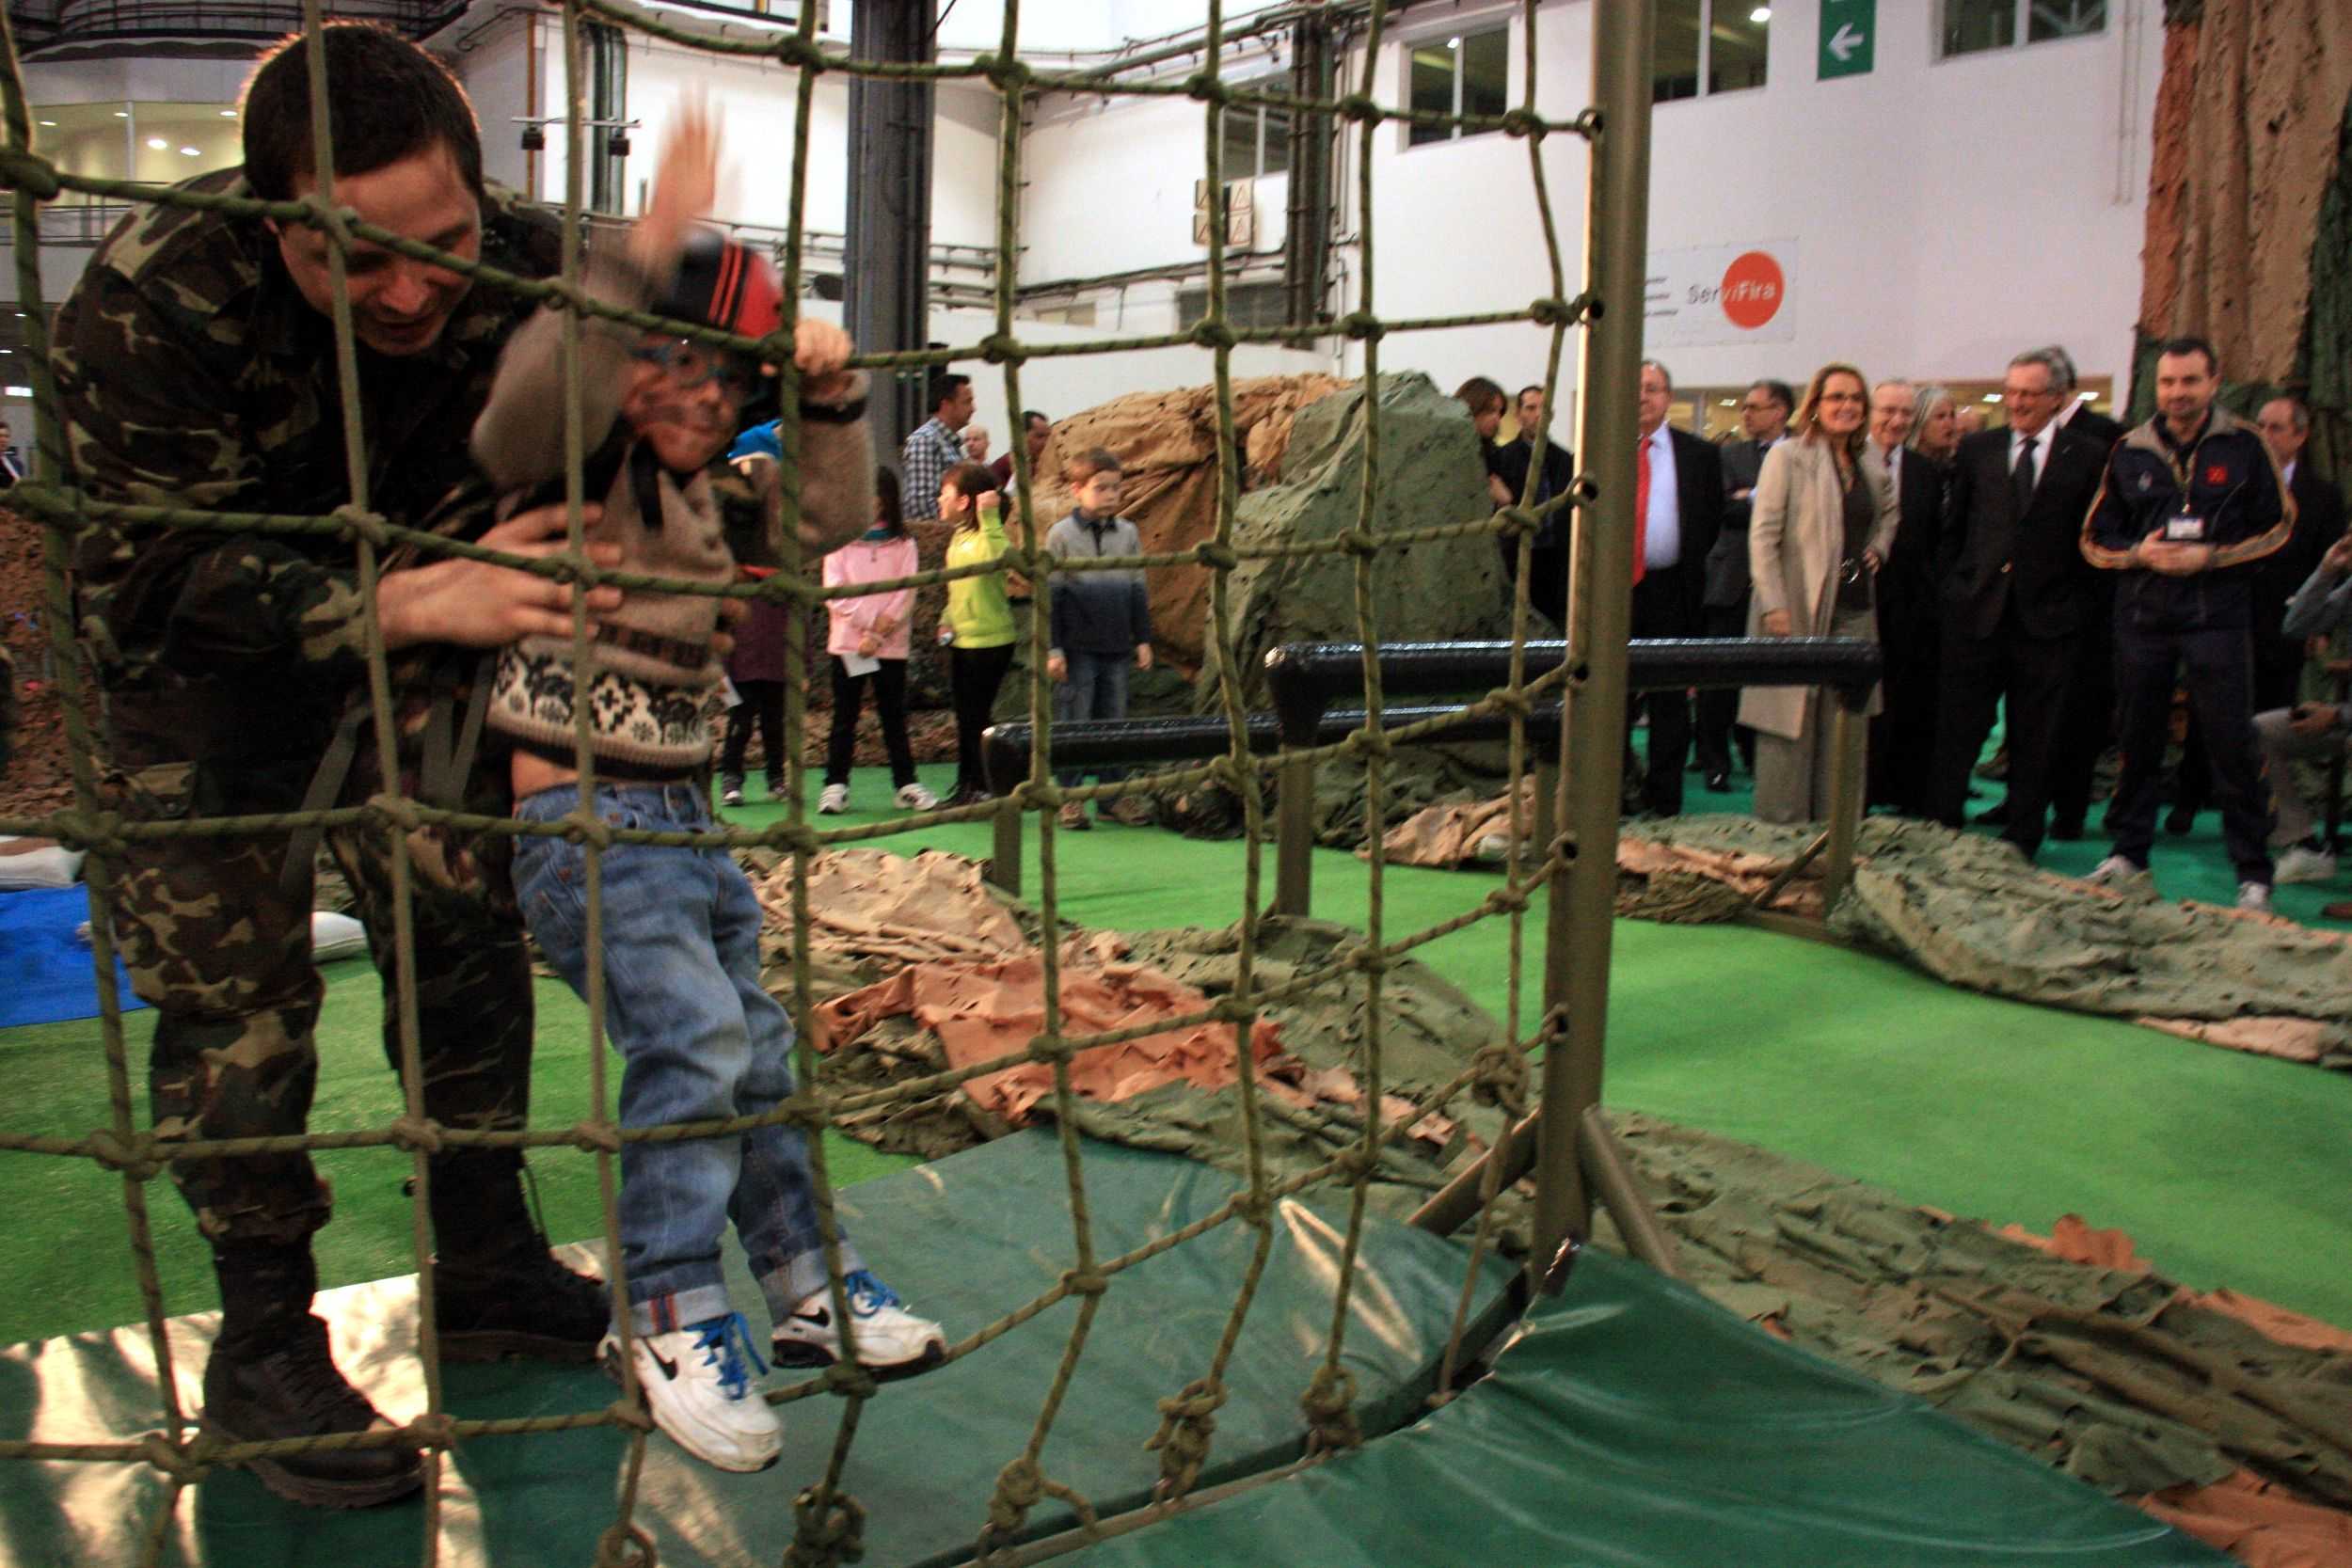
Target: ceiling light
{"x":1731,"y":402}
{"x":1453,"y":43}
{"x":1991,"y":397}
{"x":122,"y":114}
{"x":19,"y":391}
{"x":1761,"y":14}
{"x":157,"y":143}
{"x":191,"y":152}
{"x":227,"y":114}
{"x":51,"y":123}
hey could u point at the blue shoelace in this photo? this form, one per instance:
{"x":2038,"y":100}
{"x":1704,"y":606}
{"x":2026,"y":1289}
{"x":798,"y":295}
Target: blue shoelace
{"x":726,"y":1342}
{"x":868,"y":1295}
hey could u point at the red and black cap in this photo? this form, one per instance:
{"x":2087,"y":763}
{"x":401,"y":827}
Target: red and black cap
{"x":722,"y":284}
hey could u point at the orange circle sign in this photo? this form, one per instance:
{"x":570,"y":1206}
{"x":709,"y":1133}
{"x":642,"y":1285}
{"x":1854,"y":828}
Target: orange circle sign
{"x":1753,"y":290}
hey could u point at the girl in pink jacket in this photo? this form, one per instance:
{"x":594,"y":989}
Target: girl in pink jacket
{"x":869,"y":641}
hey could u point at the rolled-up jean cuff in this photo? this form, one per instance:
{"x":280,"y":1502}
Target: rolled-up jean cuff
{"x":802,"y":1277}
{"x":675,"y":1310}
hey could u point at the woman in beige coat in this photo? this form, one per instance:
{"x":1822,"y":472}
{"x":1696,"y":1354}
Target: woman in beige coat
{"x":1824,"y":517}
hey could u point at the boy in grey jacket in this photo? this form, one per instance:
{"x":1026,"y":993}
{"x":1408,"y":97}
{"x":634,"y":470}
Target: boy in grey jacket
{"x":2308,"y":731}
{"x":1102,"y":619}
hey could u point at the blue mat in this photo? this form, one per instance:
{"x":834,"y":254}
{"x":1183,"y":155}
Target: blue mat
{"x":47,"y":976}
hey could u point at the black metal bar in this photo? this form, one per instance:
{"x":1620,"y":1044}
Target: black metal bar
{"x":1303,"y":677}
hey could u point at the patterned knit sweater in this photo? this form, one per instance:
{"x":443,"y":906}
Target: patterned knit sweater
{"x":650,"y":665}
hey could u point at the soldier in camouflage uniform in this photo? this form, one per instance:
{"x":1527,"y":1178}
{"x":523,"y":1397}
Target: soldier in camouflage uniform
{"x":196,"y":369}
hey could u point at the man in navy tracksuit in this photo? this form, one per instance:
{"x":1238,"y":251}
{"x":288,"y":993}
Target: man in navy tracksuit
{"x":2191,"y":500}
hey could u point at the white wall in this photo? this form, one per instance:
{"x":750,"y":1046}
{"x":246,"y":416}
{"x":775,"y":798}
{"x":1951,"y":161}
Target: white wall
{"x":1946,"y":215}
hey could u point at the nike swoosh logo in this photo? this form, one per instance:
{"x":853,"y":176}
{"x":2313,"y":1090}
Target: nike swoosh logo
{"x":822,"y":1318}
{"x":669,"y":1368}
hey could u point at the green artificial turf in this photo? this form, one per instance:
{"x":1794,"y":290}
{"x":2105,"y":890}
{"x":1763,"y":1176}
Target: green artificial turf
{"x":2227,"y":1168}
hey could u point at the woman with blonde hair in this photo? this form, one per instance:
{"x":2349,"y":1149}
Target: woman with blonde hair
{"x":1823,"y":520}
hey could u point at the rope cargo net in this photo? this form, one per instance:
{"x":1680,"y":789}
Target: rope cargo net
{"x":829,"y":1519}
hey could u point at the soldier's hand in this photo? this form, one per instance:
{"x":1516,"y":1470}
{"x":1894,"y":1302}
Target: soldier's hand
{"x":2338,"y":560}
{"x":476,"y":604}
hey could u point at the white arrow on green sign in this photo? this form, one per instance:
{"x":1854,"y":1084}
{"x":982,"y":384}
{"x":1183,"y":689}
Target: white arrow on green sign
{"x":1849,"y":37}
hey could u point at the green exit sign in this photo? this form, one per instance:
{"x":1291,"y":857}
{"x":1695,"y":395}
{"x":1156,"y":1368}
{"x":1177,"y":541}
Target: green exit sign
{"x":1850,"y":31}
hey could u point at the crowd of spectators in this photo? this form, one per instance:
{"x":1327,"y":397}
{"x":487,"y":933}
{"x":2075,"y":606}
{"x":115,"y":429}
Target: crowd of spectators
{"x":2055,"y":574}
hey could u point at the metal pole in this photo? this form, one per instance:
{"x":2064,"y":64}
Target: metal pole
{"x":1848,"y":733}
{"x":1294,"y":839}
{"x":886,"y":272}
{"x":1592,"y":736}
{"x":1004,"y":867}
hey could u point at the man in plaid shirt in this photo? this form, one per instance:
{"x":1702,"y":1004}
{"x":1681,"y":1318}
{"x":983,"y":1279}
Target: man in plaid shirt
{"x":936,"y":446}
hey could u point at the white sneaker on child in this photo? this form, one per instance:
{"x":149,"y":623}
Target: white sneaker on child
{"x":891,"y":1341}
{"x":700,"y":1391}
{"x":2302,"y":864}
{"x":2254,"y":896}
{"x":834,"y":801}
{"x":914,"y":796}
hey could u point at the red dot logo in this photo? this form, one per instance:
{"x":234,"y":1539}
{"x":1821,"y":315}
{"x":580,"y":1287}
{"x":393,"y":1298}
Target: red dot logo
{"x":1753,"y":290}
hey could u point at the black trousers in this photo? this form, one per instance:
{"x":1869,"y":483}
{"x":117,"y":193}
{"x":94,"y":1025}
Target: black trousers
{"x":763,"y":705}
{"x":1903,"y":735}
{"x":889,"y":680}
{"x":2278,"y":682}
{"x":2036,"y":674}
{"x":2088,"y":729}
{"x":1718,"y":729}
{"x":972,"y":675}
{"x":2217,"y":667}
{"x":1662,"y":607}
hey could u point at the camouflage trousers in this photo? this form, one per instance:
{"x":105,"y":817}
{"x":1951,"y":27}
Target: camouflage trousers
{"x":216,"y":936}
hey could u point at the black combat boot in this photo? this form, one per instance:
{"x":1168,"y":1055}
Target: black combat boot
{"x":497,"y":1291}
{"x":271,"y":1376}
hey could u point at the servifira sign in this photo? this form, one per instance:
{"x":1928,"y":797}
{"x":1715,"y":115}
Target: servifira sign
{"x":1733,"y":294}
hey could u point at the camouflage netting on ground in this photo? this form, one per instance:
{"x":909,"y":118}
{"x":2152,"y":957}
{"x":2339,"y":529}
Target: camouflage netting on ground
{"x":1970,"y":912}
{"x":2112,"y":1374}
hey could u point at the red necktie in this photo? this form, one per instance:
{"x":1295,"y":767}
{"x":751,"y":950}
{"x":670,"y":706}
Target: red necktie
{"x":1641,"y":511}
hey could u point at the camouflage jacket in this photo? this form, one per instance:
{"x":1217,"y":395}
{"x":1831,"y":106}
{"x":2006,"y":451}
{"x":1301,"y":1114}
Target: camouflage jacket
{"x":192,"y":372}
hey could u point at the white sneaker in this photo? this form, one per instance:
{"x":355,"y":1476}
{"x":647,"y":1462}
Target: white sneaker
{"x":2124,"y":875}
{"x":914,"y":796}
{"x":731,"y":796}
{"x":833,"y":801}
{"x":2302,"y":864}
{"x":2254,"y":896}
{"x":891,"y":1341}
{"x":699,"y":1390}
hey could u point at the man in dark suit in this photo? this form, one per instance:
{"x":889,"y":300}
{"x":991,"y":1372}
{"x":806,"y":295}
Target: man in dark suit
{"x":1724,"y":603}
{"x":1902,"y":738}
{"x":2016,"y":596}
{"x":1548,"y":568}
{"x":2285,"y":425}
{"x":2088,"y":728}
{"x":1678,"y":511}
{"x":10,"y":471}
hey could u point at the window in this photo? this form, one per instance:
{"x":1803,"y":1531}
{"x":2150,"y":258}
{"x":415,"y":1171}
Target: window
{"x":1460,"y":73}
{"x":1718,"y":43}
{"x":1247,"y":305}
{"x":1971,"y":26}
{"x":1258,"y":137}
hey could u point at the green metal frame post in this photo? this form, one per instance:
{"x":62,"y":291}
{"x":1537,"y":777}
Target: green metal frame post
{"x":1600,"y":612}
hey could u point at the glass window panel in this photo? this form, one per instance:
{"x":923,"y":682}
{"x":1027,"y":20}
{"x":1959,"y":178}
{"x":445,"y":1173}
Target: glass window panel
{"x":2064,"y":19}
{"x":1676,"y":72}
{"x":1432,"y":91}
{"x":1275,"y":155}
{"x":1735,"y":53}
{"x":1971,"y":26}
{"x":174,"y":141}
{"x":88,"y":139}
{"x":1487,"y":72}
{"x":1241,"y":143}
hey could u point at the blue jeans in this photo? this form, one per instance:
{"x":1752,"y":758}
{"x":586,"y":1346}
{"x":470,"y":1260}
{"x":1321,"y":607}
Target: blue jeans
{"x":1097,"y":688}
{"x":701,"y":1039}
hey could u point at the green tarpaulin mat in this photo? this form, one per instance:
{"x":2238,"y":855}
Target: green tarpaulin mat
{"x":967,"y":1240}
{"x":1635,"y":1423}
